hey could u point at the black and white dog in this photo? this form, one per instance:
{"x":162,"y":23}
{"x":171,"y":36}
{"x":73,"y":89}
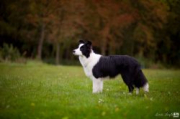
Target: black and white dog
{"x":98,"y":67}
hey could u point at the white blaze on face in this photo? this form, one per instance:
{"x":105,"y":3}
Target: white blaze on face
{"x":78,"y":51}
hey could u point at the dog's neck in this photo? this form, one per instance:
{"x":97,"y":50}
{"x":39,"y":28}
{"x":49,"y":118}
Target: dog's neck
{"x":91,"y":60}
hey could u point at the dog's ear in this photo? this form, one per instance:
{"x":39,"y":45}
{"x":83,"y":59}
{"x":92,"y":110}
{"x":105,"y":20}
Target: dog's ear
{"x":81,"y":41}
{"x":89,"y":43}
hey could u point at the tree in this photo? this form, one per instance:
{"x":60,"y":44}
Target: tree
{"x":141,"y":28}
{"x":168,"y":43}
{"x":40,"y":15}
{"x":66,"y":19}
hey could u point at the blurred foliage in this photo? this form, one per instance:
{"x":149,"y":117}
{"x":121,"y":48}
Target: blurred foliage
{"x":51,"y":29}
{"x":9,"y":53}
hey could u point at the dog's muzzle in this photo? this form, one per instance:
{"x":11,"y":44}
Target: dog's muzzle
{"x":74,"y":51}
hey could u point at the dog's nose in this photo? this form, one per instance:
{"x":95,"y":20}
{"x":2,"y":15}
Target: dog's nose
{"x":73,"y":51}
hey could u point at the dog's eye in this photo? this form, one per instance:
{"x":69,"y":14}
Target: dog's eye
{"x":82,"y":47}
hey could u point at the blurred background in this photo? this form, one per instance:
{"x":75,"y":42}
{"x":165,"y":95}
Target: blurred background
{"x":48,"y":30}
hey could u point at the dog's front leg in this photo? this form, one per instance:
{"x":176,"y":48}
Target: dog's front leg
{"x":97,"y":85}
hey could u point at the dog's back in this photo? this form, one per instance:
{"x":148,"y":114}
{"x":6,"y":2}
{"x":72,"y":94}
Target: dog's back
{"x":113,"y":65}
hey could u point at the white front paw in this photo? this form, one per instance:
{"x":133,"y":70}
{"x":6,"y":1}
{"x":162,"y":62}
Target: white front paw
{"x":97,"y":91}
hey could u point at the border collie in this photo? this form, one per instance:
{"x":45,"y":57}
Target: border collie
{"x":98,"y":67}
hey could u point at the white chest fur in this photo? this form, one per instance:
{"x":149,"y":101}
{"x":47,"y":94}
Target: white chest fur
{"x":88,"y":63}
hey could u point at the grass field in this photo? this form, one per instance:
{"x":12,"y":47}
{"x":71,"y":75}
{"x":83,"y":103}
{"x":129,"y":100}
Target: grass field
{"x":38,"y":91}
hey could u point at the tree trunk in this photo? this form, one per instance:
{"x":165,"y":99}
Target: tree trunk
{"x":103,"y":47}
{"x":40,"y":44}
{"x":57,"y":53}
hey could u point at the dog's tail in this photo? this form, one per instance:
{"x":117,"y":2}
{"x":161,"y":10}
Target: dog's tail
{"x":146,"y":87}
{"x":140,"y":80}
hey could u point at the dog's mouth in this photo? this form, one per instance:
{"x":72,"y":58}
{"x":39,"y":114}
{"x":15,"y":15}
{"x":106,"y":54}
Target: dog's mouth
{"x":74,"y":52}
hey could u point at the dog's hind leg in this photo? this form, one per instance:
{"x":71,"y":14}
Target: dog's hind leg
{"x":127,"y":80}
{"x":131,"y":88}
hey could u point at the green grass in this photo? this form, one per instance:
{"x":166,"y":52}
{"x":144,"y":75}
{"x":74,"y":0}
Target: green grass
{"x":38,"y":91}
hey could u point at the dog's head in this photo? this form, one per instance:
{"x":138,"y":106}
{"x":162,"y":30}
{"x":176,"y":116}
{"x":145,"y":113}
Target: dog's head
{"x":84,"y":49}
